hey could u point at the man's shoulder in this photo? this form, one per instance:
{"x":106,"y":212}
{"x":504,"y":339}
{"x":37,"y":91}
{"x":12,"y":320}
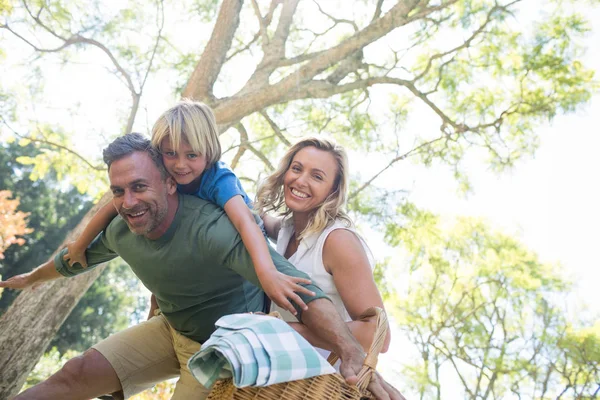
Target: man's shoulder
{"x":117,"y":227}
{"x":194,"y":205}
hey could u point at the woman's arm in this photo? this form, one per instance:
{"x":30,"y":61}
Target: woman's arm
{"x":99,"y":222}
{"x":272,"y":225}
{"x":279,"y":287}
{"x":344,"y":257}
{"x":153,"y":306}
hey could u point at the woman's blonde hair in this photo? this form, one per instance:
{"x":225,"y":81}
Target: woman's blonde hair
{"x":270,"y":195}
{"x":193,"y":122}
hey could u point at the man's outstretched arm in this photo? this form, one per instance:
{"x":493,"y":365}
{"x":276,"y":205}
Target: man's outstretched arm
{"x":324,"y":321}
{"x":57,"y":267}
{"x":43,"y":273}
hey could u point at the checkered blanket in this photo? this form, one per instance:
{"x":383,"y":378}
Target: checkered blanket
{"x":256,"y":350}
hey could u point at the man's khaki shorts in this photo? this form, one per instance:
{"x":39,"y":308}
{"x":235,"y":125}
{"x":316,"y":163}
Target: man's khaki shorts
{"x":149,"y":353}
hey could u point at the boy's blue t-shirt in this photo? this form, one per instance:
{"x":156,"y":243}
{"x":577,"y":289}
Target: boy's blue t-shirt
{"x":219,"y":184}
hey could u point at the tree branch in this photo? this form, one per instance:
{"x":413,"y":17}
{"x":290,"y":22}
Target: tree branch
{"x":464,"y":45}
{"x":337,"y":20}
{"x":248,"y":100}
{"x":267,"y":20}
{"x":274,"y":49}
{"x":392,"y":162}
{"x":202,"y":80}
{"x":262,"y":25}
{"x":377,"y":12}
{"x":244,"y":134}
{"x":275,"y":128}
{"x":56,"y":145}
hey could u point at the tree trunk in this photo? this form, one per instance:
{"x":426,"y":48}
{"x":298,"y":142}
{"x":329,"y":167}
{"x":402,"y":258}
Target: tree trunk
{"x":35,"y":316}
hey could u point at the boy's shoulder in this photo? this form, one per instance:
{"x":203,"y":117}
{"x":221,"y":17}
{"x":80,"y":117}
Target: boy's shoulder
{"x":217,"y":171}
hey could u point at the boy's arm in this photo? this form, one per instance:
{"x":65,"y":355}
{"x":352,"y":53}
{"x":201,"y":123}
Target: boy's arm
{"x":99,"y":222}
{"x":272,"y":225}
{"x":279,"y":287}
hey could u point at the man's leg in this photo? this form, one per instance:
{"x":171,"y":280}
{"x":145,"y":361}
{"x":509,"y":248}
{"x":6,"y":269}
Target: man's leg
{"x":142,"y":356}
{"x":83,"y":377}
{"x":187,"y":386}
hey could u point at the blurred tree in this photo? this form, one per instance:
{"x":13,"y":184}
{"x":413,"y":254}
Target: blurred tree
{"x":12,"y":222}
{"x":53,"y":209}
{"x":486,"y":314}
{"x":294,"y":68}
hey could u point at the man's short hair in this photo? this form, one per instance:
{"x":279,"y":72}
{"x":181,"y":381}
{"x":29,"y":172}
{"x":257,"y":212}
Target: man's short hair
{"x":129,"y":144}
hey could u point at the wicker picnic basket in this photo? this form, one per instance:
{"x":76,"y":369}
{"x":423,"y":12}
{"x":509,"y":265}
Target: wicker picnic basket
{"x":329,"y":387}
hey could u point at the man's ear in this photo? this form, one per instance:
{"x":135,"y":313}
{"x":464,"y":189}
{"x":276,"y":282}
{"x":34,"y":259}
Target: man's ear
{"x":171,"y":185}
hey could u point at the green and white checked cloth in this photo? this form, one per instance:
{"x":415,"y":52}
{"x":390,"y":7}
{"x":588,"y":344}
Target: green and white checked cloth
{"x":256,"y":350}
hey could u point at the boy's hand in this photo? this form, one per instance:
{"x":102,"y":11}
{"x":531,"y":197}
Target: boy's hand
{"x":281,"y":288}
{"x":75,"y":254}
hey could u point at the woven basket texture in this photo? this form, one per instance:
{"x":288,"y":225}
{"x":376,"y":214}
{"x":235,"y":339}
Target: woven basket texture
{"x":323,"y":387}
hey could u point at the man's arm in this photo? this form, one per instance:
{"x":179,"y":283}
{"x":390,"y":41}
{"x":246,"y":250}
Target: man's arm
{"x":43,"y":273}
{"x":323,"y":320}
{"x":97,"y":253}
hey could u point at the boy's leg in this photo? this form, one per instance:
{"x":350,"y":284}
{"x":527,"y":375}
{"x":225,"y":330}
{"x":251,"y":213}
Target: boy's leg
{"x":187,"y":386}
{"x":82,"y":377}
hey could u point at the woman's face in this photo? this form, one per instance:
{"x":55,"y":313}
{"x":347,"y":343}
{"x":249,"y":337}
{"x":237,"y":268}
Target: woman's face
{"x":309,"y":179}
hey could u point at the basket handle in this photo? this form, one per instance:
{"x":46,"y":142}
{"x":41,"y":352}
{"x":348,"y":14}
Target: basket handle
{"x":364,"y":376}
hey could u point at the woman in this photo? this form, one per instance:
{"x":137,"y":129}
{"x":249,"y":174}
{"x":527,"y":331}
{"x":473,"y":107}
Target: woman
{"x":316,"y":235}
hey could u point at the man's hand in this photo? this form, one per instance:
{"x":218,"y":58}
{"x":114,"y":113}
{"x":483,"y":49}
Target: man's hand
{"x":35,"y":278}
{"x":351,"y":366}
{"x":20,"y":282}
{"x":388,"y":390}
{"x":281,"y":288}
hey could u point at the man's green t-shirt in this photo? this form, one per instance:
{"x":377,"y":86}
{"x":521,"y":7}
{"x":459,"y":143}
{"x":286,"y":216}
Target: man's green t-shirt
{"x":198,"y":270}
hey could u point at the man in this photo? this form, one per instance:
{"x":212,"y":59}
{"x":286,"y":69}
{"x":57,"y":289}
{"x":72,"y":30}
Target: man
{"x":189,"y":255}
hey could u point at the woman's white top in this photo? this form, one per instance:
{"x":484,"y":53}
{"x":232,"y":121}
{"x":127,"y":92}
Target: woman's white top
{"x":309,"y":259}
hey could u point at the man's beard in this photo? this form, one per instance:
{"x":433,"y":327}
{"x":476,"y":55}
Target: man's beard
{"x":156,"y":217}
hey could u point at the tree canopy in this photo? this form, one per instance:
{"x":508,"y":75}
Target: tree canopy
{"x":485,"y":313}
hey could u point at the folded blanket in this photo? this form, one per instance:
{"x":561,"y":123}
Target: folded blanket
{"x":256,"y":350}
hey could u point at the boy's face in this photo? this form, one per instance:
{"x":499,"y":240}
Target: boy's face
{"x":184,"y":164}
{"x":140,"y":194}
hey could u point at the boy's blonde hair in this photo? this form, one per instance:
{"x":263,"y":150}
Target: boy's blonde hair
{"x":193,"y":122}
{"x":270,"y":196}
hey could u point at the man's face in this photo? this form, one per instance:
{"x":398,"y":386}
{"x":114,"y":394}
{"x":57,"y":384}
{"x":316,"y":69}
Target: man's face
{"x":140,"y":195}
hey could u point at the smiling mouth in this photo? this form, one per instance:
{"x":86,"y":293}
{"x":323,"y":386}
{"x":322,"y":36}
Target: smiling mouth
{"x":299,"y":194}
{"x":136,"y":215}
